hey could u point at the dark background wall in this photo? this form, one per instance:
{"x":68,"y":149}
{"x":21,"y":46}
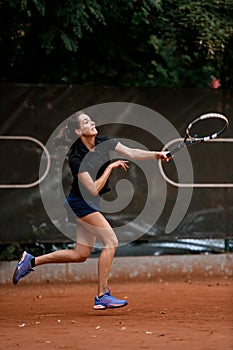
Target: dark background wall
{"x":36,"y":110}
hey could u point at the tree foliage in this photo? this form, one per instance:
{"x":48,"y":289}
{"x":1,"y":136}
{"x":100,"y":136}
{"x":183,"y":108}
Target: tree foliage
{"x":117,"y":42}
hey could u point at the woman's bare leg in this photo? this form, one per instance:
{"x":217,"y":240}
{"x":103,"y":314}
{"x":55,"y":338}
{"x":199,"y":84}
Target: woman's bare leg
{"x":84,"y":244}
{"x":92,"y":225}
{"x":98,"y":225}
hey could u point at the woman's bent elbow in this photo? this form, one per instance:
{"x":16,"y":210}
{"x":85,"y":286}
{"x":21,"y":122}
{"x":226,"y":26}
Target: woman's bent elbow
{"x":94,"y":192}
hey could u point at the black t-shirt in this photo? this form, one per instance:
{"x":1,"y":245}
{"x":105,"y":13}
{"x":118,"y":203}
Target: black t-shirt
{"x":82,"y":160}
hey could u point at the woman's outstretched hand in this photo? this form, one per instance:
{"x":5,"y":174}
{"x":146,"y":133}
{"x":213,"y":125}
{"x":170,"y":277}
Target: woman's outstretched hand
{"x":165,"y":156}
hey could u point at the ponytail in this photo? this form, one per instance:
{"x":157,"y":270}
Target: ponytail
{"x":67,"y":136}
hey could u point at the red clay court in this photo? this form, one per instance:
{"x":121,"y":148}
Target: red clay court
{"x":174,"y":311}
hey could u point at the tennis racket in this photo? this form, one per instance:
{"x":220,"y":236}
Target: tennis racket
{"x":204,"y":128}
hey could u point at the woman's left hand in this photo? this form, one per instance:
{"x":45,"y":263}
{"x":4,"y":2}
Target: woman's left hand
{"x":120,"y":164}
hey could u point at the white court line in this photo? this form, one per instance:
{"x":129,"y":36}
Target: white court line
{"x":32,"y":139}
{"x":195,"y":185}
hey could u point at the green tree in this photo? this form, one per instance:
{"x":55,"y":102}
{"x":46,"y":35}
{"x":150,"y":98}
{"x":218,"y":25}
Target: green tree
{"x":117,"y":42}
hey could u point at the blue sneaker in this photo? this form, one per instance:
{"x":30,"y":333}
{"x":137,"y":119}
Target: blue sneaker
{"x":23,"y":267}
{"x":107,"y":301}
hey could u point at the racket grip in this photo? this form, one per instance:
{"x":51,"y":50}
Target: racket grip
{"x":173,"y":151}
{"x":177,"y":149}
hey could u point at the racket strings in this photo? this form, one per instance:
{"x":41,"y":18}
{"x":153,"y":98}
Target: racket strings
{"x":210,"y":127}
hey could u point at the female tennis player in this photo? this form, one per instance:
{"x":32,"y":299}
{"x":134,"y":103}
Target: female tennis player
{"x":90,"y":165}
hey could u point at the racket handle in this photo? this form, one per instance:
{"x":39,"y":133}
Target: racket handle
{"x":175,"y":150}
{"x":181,"y":146}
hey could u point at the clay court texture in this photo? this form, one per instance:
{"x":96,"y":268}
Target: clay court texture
{"x":174,"y":302}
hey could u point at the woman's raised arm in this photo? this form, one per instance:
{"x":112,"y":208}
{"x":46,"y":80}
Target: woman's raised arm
{"x":138,"y":154}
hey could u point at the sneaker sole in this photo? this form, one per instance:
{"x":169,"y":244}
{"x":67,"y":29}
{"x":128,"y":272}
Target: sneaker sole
{"x":103,"y":307}
{"x":16,"y":269}
{"x":13,"y":278}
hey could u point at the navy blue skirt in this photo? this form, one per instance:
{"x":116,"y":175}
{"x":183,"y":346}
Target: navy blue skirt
{"x":77,"y":207}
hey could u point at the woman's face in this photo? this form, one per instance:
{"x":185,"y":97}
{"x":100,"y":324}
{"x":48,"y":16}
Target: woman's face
{"x":86,"y":126}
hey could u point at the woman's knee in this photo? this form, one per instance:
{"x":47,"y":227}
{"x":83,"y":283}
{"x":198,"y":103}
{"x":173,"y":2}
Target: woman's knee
{"x":111,"y":242}
{"x":115,"y":242}
{"x":82,"y":258}
{"x":81,"y":255}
